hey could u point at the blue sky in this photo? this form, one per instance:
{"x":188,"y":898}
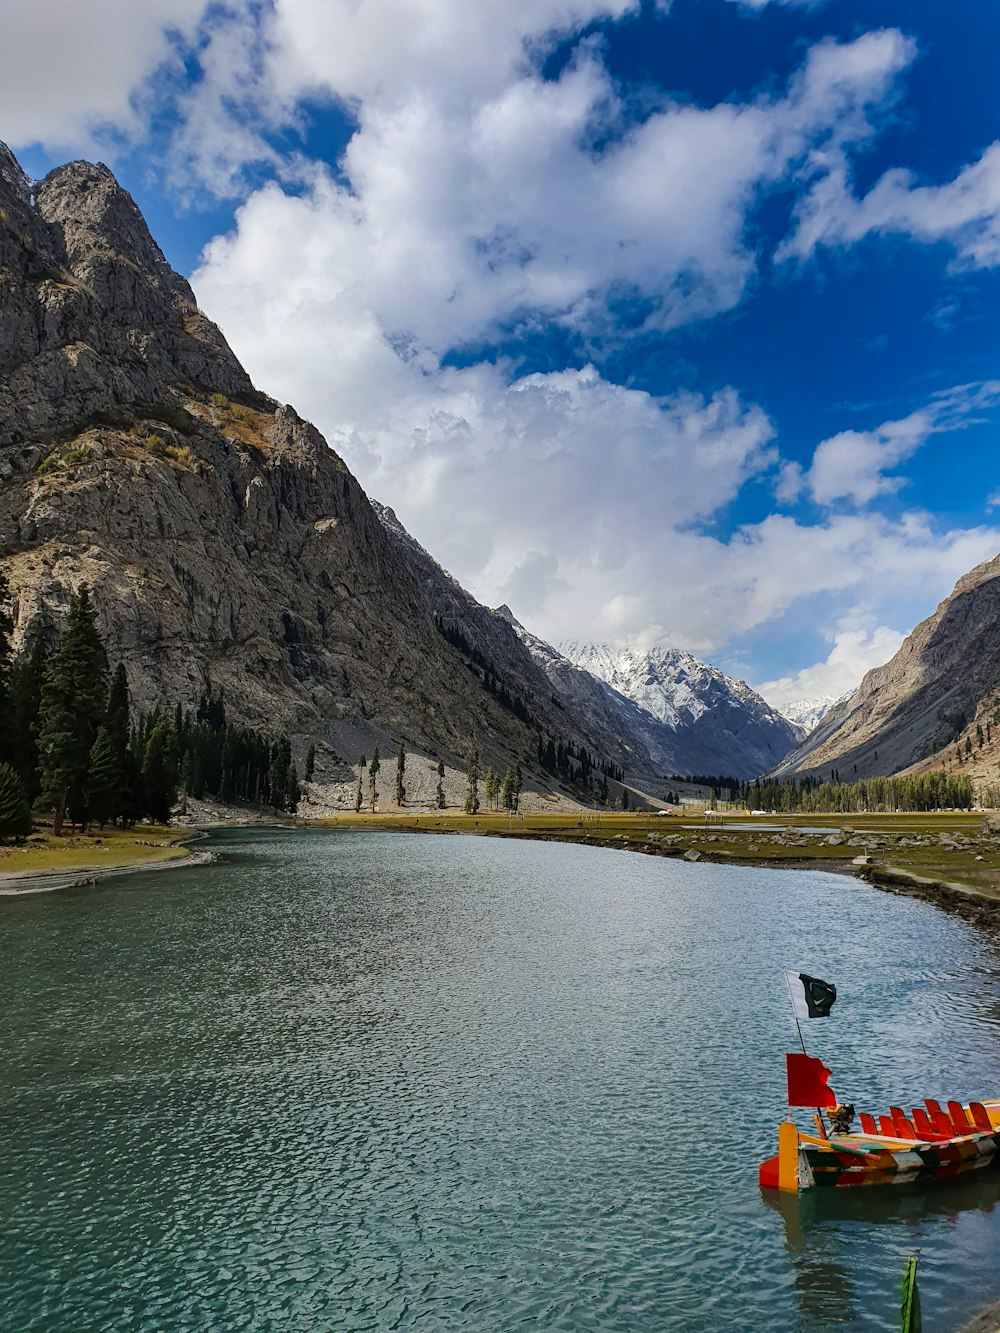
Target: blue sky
{"x":658,"y":322}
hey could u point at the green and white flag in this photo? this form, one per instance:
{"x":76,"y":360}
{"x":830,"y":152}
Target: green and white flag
{"x":811,"y":998}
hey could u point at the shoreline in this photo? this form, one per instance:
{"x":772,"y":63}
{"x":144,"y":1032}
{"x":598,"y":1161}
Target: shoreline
{"x":17,"y":885}
{"x":958,"y":899}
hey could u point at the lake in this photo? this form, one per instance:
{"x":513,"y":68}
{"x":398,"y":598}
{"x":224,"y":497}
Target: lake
{"x":398,"y":1081}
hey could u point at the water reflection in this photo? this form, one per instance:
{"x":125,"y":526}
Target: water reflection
{"x":896,"y":1220}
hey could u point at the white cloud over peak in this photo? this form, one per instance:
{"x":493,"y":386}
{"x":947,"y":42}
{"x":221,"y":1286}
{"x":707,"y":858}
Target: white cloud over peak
{"x":856,"y":649}
{"x":458,"y":213}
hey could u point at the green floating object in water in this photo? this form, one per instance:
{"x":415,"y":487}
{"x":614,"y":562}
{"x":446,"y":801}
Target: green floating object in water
{"x":909,"y":1310}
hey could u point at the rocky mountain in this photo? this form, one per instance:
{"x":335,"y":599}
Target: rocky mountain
{"x":942,"y":684}
{"x":692,"y":719}
{"x":220,"y":534}
{"x":808,"y":713}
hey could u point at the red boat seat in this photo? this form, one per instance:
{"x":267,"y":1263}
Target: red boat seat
{"x":942,"y":1125}
{"x":958,"y":1118}
{"x":868,"y":1123}
{"x":933,"y":1106}
{"x":887,"y":1127}
{"x":922,"y":1120}
{"x":904,"y":1130}
{"x":980,"y":1117}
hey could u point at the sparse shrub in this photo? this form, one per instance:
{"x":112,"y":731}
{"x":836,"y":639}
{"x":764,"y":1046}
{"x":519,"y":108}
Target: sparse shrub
{"x":51,"y":463}
{"x":218,"y":399}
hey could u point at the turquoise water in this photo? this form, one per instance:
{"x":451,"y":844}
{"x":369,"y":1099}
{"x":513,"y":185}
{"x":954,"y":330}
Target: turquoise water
{"x":375,"y":1081}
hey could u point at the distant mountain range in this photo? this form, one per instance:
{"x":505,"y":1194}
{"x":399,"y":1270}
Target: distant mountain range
{"x":694,"y":719}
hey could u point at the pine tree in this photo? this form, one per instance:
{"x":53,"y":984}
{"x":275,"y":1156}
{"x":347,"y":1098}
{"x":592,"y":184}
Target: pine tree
{"x":72,"y":705}
{"x":359,"y":794}
{"x":507,"y":790}
{"x":104,"y":779}
{"x":159,"y":773}
{"x":117,"y":726}
{"x":400,"y":774}
{"x":471,"y":806}
{"x":310,"y":763}
{"x":491,"y":788}
{"x":440,"y":786}
{"x":373,"y":770}
{"x":15,"y":813}
{"x":25,"y":698}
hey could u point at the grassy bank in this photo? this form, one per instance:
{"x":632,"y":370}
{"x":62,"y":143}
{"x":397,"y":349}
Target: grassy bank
{"x":955,"y":849}
{"x":113,"y":848}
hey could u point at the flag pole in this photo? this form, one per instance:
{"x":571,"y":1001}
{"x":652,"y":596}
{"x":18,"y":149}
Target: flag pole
{"x":798,"y":1029}
{"x":791,"y":1000}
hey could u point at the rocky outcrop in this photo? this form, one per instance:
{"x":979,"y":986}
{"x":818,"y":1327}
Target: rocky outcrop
{"x":914,"y":710}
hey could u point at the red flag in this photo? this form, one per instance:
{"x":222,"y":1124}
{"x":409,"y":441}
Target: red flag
{"x":807,"y":1084}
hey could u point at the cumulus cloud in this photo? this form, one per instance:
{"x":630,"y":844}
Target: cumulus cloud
{"x":856,"y":466}
{"x":855,"y":650}
{"x":68,"y":72}
{"x":964,"y":212}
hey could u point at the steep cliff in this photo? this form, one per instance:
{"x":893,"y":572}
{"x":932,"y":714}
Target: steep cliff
{"x":913,"y":711}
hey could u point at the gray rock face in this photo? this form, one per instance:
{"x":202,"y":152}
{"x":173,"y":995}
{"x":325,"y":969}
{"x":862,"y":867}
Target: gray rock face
{"x":222,"y":538}
{"x":94,"y":319}
{"x":905,"y":712}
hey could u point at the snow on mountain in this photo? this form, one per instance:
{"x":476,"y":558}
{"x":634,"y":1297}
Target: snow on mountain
{"x":700,"y":721}
{"x":808,"y":713}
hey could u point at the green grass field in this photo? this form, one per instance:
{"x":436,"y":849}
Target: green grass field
{"x":111,"y":849}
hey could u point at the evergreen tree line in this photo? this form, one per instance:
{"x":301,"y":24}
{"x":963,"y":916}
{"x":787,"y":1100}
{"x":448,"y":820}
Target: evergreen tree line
{"x":923,"y":791}
{"x":70,"y":750}
{"x":718,"y":782}
{"x":484,"y":671}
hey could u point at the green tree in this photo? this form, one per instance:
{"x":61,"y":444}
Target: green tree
{"x":507,"y":790}
{"x":518,"y":784}
{"x":471,"y":806}
{"x":373,"y":771}
{"x":400,"y":775}
{"x":25,"y":698}
{"x":310,"y":763}
{"x":118,"y":727}
{"x":104,"y":779}
{"x":72,"y":705}
{"x":491,"y":788}
{"x":159,"y":772}
{"x":440,"y":785}
{"x":15,"y":813}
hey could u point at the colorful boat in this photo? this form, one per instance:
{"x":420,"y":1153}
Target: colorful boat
{"x":933,"y":1143}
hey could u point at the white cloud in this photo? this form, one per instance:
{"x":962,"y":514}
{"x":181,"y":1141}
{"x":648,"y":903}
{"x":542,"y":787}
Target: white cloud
{"x":855,"y":650}
{"x":964,"y":212}
{"x":67,"y":71}
{"x":854,"y":465}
